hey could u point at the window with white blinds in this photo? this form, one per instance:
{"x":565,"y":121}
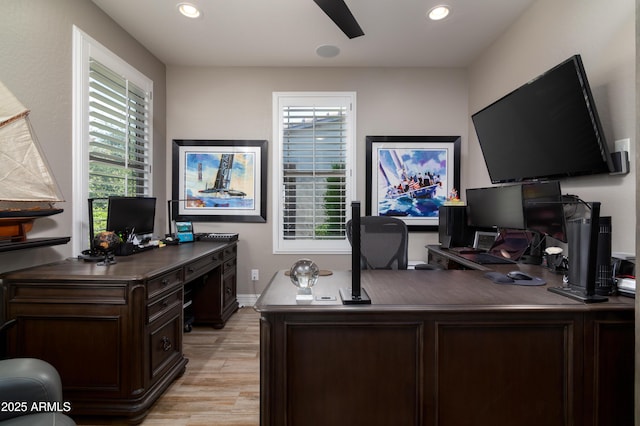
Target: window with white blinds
{"x":112,"y":133}
{"x":314,"y":166}
{"x":119,"y":162}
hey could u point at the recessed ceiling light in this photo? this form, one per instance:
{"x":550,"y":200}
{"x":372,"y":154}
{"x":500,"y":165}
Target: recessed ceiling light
{"x":189,"y":10}
{"x":438,"y":13}
{"x":328,"y":51}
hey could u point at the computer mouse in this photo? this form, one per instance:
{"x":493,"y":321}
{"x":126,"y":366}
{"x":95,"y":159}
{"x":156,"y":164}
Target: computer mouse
{"x":518,"y":275}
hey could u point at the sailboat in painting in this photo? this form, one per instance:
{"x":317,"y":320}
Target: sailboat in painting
{"x":221,"y":187}
{"x":27,"y":187}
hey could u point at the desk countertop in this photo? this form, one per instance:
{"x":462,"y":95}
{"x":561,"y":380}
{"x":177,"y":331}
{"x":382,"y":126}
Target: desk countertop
{"x":440,"y":290}
{"x":135,"y":267}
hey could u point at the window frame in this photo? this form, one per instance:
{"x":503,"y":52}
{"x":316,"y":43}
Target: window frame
{"x":85,"y":48}
{"x":285,"y":99}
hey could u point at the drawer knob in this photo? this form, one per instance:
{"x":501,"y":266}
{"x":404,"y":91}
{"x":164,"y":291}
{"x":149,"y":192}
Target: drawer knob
{"x":165,"y":303}
{"x":165,"y":281}
{"x":166,"y":344}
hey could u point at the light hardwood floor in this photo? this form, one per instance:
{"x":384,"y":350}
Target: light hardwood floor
{"x":222,"y":384}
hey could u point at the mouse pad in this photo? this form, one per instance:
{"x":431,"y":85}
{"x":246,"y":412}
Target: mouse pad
{"x":499,"y":278}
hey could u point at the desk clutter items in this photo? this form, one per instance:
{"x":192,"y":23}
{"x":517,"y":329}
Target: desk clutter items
{"x":106,"y":242}
{"x":555,"y":260}
{"x":515,"y":278}
{"x":453,"y":199}
{"x":304,"y":275}
{"x":216,"y":237}
{"x":184,"y":232}
{"x":624,"y":271}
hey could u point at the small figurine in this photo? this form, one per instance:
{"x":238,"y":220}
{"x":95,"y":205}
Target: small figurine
{"x":453,"y":199}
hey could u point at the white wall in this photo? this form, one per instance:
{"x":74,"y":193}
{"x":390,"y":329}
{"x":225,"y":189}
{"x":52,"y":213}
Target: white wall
{"x":603,"y":33}
{"x":235,"y":103}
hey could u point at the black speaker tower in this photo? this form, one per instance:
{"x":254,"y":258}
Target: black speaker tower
{"x":452,"y":227}
{"x":585,"y":242}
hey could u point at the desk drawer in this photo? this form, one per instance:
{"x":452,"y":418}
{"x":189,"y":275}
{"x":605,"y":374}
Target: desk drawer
{"x":438,"y":260}
{"x":201,"y":266}
{"x":229,"y":266}
{"x":229,"y":252}
{"x":163,"y":283}
{"x":165,"y":343}
{"x":163,"y":305}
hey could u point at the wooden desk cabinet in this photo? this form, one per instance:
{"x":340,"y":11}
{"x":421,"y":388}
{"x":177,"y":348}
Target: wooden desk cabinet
{"x":114,"y":333}
{"x":214,"y":295}
{"x":443,"y":348}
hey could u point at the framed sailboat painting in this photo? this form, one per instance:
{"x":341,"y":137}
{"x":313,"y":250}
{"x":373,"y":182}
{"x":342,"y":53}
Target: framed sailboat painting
{"x":219,"y":180}
{"x":410,"y":177}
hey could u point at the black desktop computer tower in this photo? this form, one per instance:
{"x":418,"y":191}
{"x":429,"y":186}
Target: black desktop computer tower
{"x":579,"y":235}
{"x":452,"y":226}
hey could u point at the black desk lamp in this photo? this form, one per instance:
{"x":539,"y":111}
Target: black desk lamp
{"x":355,"y":295}
{"x":91,"y":254}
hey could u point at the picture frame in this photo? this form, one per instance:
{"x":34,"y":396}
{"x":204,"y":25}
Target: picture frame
{"x":219,"y":180}
{"x":410,"y":177}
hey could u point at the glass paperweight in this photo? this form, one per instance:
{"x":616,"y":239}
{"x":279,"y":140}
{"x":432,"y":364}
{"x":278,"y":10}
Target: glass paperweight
{"x":304,"y":274}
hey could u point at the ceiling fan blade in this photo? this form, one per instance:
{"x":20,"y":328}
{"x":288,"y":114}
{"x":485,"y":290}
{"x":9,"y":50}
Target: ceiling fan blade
{"x":339,"y":13}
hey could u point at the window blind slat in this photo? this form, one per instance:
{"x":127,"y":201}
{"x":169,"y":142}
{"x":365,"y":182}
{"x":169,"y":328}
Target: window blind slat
{"x":118,"y":127}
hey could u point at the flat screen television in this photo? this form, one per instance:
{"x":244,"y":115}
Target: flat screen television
{"x":131,"y":215}
{"x":495,"y":207}
{"x":548,"y":128}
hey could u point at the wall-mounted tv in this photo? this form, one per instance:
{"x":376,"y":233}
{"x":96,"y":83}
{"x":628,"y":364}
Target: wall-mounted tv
{"x":547,"y":128}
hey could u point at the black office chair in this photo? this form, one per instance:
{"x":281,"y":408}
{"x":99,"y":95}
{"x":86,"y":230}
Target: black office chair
{"x":384,"y":243}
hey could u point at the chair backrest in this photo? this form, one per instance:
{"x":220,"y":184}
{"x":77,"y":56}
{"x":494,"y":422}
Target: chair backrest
{"x":383,"y":242}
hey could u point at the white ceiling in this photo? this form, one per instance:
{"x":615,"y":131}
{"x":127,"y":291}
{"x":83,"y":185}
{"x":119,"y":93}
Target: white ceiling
{"x":287,"y":32}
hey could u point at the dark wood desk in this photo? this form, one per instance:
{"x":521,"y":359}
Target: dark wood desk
{"x":114,"y":332}
{"x":446,"y":348}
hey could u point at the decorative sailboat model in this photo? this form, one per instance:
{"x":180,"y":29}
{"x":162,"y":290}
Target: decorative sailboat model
{"x":27,"y":187}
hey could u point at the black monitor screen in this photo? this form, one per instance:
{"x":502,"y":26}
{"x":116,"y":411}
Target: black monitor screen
{"x":543,"y":209}
{"x":131,"y":215}
{"x":496,"y":207}
{"x":547,"y":128}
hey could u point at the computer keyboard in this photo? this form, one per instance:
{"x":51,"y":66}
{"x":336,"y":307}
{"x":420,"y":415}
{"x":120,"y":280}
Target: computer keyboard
{"x":218,"y":237}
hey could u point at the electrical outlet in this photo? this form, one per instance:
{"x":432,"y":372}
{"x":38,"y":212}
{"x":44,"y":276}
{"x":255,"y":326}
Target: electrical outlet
{"x":255,"y":275}
{"x":622,"y":145}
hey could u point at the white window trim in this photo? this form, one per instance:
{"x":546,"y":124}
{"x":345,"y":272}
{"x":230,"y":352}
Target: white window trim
{"x":85,"y":47}
{"x":305,"y":246}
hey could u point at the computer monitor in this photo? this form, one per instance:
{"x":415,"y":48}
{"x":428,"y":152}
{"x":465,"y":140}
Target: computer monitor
{"x":543,"y":209}
{"x":131,"y":215}
{"x":495,"y":207}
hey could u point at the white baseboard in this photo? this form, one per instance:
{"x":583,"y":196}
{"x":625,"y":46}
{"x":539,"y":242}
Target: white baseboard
{"x":247,"y":299}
